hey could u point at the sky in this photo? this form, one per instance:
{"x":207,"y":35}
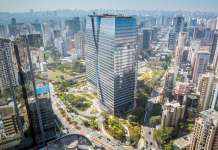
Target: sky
{"x":42,"y":5}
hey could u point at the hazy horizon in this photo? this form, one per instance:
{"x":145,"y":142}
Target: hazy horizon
{"x":165,"y":5}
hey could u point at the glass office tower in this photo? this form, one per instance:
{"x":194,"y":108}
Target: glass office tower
{"x":111,"y":60}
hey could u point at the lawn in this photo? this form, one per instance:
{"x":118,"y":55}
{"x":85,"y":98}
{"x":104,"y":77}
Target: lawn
{"x":152,"y":78}
{"x":80,"y":83}
{"x":135,"y":133}
{"x":114,"y":127}
{"x":55,"y":75}
{"x":92,"y":123}
{"x":58,"y":70}
{"x":151,"y":75}
{"x":163,"y":135}
{"x":89,"y":96}
{"x":79,"y":102}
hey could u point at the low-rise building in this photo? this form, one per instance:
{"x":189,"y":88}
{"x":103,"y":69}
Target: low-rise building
{"x":182,"y":143}
{"x":9,"y":133}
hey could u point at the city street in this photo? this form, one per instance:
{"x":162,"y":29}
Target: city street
{"x":97,"y":137}
{"x":150,"y":143}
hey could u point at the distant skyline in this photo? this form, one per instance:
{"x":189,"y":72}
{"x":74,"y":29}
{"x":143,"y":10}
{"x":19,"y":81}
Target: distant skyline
{"x":170,"y":5}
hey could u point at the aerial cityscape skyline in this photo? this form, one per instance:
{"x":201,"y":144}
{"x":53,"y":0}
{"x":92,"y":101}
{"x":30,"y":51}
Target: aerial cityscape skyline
{"x":165,"y":5}
{"x":109,"y":75}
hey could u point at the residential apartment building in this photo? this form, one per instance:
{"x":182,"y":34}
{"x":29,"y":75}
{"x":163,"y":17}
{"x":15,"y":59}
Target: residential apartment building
{"x":7,"y":63}
{"x":200,"y":65}
{"x":205,"y":134}
{"x":172,"y":113}
{"x":180,"y":47}
{"x":206,"y":86}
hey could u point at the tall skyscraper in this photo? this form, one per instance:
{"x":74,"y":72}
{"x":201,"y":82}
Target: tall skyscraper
{"x":13,"y":27}
{"x":170,"y":80}
{"x":140,"y":44}
{"x":214,"y":47}
{"x":215,"y":99}
{"x":182,"y":41}
{"x":6,"y":54}
{"x":146,"y":38}
{"x":191,"y":31}
{"x":215,"y":60}
{"x":172,"y":40}
{"x":3,"y":31}
{"x":154,"y":33}
{"x":208,"y":35}
{"x":193,"y":22}
{"x":80,"y":44}
{"x":37,"y":27}
{"x":72,"y":26}
{"x":205,"y":136}
{"x":13,"y":21}
{"x":180,"y":47}
{"x":200,"y":64}
{"x":178,"y":24}
{"x":111,"y":60}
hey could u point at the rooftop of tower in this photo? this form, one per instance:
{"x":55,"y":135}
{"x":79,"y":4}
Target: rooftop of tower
{"x":110,"y":16}
{"x":211,"y":115}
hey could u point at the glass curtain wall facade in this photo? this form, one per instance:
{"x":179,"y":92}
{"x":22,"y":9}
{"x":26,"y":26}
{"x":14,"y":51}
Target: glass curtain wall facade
{"x":111,"y":60}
